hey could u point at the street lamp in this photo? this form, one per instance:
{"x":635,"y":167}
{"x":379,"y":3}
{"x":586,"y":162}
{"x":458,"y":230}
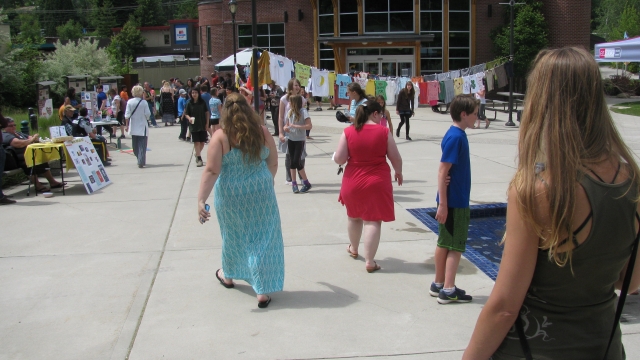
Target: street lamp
{"x":512,"y":4}
{"x":233,"y":7}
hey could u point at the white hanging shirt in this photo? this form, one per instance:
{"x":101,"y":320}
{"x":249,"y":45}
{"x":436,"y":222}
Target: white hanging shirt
{"x":466,"y":85}
{"x":280,"y":68}
{"x":392,"y":86}
{"x":320,"y":80}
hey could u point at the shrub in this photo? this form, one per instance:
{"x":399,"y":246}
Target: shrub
{"x":609,"y":88}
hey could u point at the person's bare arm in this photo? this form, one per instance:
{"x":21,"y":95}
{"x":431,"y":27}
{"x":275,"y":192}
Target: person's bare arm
{"x":211,"y":172}
{"x":342,"y":153}
{"x":281,"y":120}
{"x":394,"y":156}
{"x":389,"y":121}
{"x":635,"y":278}
{"x":307,"y":125}
{"x":272,"y":159}
{"x":514,"y":277}
{"x":443,"y":173}
{"x":19,"y":143}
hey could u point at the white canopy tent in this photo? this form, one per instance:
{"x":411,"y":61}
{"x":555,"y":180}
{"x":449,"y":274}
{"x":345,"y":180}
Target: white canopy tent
{"x":243,"y":58}
{"x":618,"y":51}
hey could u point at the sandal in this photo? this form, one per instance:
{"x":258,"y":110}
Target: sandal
{"x":352,"y":254}
{"x":372,"y":269}
{"x":43,"y":189}
{"x":264,"y":304}
{"x":58,"y":185}
{"x":228,"y":286}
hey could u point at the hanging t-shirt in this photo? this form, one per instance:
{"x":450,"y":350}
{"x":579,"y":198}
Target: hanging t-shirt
{"x":442,"y":91}
{"x":433,"y":89}
{"x":449,"y":93}
{"x":416,"y":97}
{"x":360,"y":81}
{"x":381,"y":88}
{"x":441,"y":77}
{"x":280,"y":69}
{"x":402,"y":82}
{"x":391,"y":89}
{"x":320,"y":80}
{"x":332,"y":81}
{"x":342,"y":81}
{"x":457,"y":86}
{"x":474,"y":86}
{"x":303,"y":73}
{"x":501,"y":74}
{"x":466,"y":85}
{"x":455,"y":74}
{"x":490,"y":75}
{"x":424,"y":93}
{"x":465,"y":72}
{"x":479,"y":77}
{"x":370,"y":88}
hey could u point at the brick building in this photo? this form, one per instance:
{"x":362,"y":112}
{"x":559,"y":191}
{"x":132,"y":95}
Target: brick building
{"x":387,"y":37}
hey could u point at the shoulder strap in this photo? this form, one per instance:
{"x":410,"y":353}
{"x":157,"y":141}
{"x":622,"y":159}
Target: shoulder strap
{"x":135,"y":108}
{"x":624,"y":290}
{"x":523,"y":339}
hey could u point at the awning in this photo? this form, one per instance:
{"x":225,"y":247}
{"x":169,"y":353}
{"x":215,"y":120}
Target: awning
{"x":102,"y":78}
{"x":243,"y":58}
{"x":618,"y":51}
{"x":375,"y":38}
{"x":46,"y":83}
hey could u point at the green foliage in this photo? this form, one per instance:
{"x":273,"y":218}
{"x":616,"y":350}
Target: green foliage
{"x":20,"y":67}
{"x":629,"y":22}
{"x":69,"y":31}
{"x":150,"y":13}
{"x":103,"y":18}
{"x":125,"y":45}
{"x":609,"y":13}
{"x":83,"y":57}
{"x":51,"y":20}
{"x":633,"y":67}
{"x":530,"y":36}
{"x":187,"y":10}
{"x":628,"y":108}
{"x":29,"y":30}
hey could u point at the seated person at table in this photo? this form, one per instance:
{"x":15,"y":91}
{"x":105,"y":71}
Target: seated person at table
{"x":15,"y":144}
{"x":81,"y":127}
{"x":67,"y":119}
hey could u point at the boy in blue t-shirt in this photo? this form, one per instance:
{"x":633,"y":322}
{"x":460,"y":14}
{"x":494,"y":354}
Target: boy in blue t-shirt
{"x":453,"y":200}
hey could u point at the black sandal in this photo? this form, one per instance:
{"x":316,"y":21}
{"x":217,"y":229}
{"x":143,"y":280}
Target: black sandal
{"x":228,"y":286}
{"x":264,"y":304}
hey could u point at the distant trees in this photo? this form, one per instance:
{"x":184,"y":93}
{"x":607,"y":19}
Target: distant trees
{"x":70,"y":31}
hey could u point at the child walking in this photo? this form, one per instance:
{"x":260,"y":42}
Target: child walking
{"x":453,"y":201}
{"x":385,"y":120}
{"x":480,"y":95}
{"x":296,"y":123}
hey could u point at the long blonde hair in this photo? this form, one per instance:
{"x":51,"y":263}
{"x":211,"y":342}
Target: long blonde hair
{"x":567,"y":126}
{"x":295,"y":105}
{"x":242,"y":126}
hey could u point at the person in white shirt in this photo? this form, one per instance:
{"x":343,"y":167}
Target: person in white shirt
{"x":136,"y":117}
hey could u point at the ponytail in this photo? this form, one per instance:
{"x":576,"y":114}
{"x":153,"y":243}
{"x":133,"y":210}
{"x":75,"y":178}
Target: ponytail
{"x":364,"y":111}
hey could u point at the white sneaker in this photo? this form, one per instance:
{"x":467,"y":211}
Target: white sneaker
{"x":287,"y":183}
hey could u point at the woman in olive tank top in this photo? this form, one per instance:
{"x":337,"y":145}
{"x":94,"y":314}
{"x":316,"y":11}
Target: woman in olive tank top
{"x":571,"y":222}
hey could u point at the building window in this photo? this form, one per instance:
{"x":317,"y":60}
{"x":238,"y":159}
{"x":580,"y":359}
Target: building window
{"x":383,"y":16}
{"x":167,"y":39}
{"x":270,"y":37}
{"x":459,"y":34}
{"x":327,"y":60}
{"x":348,"y":17}
{"x":208,"y":40}
{"x":431,"y":23}
{"x":325,"y":18}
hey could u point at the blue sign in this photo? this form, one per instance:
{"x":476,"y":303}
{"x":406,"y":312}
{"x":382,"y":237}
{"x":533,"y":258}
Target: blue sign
{"x":182,"y":37}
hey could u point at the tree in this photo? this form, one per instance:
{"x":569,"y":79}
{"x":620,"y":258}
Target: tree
{"x":83,"y":57}
{"x":628,"y":22}
{"x":104,"y":18}
{"x":531,"y":35}
{"x":20,"y":67}
{"x":609,"y":14}
{"x":69,"y":31}
{"x":126,"y":45}
{"x":150,"y":13}
{"x":187,"y":10}
{"x":55,"y":13}
{"x":30,"y":31}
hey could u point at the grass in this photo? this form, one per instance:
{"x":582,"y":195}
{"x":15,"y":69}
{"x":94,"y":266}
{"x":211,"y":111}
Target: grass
{"x":44,"y":123}
{"x":633,"y":108}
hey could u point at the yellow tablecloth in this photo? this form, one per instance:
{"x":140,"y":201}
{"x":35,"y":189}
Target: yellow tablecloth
{"x":45,"y":152}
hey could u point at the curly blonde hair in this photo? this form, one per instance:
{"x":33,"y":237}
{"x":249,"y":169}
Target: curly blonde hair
{"x":241,"y":124}
{"x":137,"y":91}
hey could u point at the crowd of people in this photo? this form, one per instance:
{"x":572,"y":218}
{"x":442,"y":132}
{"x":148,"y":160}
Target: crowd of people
{"x":572,"y":215}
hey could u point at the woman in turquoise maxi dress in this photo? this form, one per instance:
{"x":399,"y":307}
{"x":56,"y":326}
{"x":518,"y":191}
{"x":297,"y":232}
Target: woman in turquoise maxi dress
{"x":244,"y":199}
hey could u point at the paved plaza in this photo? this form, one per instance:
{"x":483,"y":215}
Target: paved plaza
{"x":129,"y":272}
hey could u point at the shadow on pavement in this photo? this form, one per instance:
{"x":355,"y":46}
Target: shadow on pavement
{"x":336,"y":298}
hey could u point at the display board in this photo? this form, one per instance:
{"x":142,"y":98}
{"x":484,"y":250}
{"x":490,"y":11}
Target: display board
{"x":90,"y":101}
{"x":87,"y":162}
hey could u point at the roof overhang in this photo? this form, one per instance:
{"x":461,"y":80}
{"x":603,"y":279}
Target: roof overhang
{"x":376,"y":38}
{"x":110,"y":77}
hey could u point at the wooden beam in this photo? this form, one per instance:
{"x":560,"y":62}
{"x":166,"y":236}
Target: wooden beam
{"x":360,"y":18}
{"x":316,"y":45}
{"x":416,"y":20}
{"x":336,"y":18}
{"x":473,"y":32}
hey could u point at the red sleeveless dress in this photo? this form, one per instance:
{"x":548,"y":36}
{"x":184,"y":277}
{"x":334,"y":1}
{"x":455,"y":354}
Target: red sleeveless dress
{"x":366,"y":185}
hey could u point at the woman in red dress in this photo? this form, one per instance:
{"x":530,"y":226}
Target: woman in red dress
{"x":366,"y":186}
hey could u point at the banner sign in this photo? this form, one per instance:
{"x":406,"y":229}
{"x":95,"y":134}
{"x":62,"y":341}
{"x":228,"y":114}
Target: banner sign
{"x":86,"y":160}
{"x":610,"y":53}
{"x":181,"y":35}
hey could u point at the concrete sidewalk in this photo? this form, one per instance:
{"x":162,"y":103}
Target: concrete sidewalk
{"x":129,"y":271}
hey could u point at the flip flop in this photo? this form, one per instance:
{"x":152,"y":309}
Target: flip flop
{"x":352,"y":254}
{"x":264,"y":304}
{"x":228,"y":286}
{"x":372,"y":269}
{"x":43,"y":189}
{"x":58,"y":186}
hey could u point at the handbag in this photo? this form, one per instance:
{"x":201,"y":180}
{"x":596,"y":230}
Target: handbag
{"x":341,"y":117}
{"x":621,"y":299}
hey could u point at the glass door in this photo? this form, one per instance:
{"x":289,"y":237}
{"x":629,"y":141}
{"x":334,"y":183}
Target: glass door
{"x":355,"y":66}
{"x":389,"y":69}
{"x":405,"y":69}
{"x":372,"y":68}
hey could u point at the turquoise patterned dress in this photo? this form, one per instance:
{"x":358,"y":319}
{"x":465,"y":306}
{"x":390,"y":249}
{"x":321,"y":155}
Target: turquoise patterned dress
{"x":246,"y":207}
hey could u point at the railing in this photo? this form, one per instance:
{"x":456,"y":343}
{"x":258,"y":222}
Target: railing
{"x":165,"y":64}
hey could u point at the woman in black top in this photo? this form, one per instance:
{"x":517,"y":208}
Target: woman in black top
{"x":197,"y":114}
{"x":166,"y":104}
{"x":405,"y":106}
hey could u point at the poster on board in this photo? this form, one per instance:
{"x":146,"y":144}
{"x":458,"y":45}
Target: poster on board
{"x":181,"y":34}
{"x":87,"y":162}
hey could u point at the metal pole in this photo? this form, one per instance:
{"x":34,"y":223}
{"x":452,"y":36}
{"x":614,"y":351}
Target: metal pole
{"x":235,"y":67}
{"x":510,"y":122}
{"x":254,"y":67}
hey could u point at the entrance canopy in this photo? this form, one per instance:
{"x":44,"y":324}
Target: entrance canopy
{"x":619,"y":51}
{"x":243,"y":58}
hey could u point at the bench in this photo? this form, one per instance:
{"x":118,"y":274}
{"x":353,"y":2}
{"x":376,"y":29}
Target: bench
{"x":492,"y":105}
{"x":438,"y":108}
{"x":12,"y":172}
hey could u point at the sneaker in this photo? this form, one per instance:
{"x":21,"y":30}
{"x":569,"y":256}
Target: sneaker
{"x":457,"y":296}
{"x":122,"y":137}
{"x":295,"y":189}
{"x":305,"y":188}
{"x":434,"y":290}
{"x":287,"y":183}
{"x":318,"y":109}
{"x":6,"y":201}
{"x":199,"y":163}
{"x":113,"y":136}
